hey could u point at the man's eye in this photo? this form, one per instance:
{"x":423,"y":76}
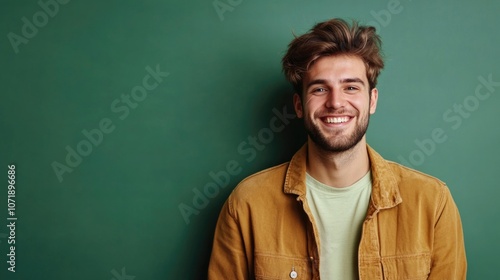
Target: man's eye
{"x":352,"y":88}
{"x":319,"y":90}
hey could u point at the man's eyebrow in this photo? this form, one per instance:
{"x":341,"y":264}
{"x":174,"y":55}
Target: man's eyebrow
{"x":342,"y":81}
{"x":352,"y":80}
{"x":316,"y":82}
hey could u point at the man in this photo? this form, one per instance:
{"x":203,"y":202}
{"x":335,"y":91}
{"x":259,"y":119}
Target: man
{"x":338,"y":210}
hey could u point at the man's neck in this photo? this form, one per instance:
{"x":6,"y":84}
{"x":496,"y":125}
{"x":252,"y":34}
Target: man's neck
{"x":338,"y":169}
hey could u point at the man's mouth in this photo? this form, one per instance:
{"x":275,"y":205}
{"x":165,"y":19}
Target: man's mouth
{"x":336,"y":120}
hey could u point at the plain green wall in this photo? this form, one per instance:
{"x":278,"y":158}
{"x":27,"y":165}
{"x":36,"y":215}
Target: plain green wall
{"x":119,"y":207}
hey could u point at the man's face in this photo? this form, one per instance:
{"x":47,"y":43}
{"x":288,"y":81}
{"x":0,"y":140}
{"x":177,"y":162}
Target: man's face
{"x":336,"y":103}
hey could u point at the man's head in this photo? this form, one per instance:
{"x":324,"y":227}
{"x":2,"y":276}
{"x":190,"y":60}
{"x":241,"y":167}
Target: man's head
{"x":331,"y":38}
{"x":334,"y":70}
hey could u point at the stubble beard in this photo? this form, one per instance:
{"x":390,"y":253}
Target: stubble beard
{"x":337,"y":143}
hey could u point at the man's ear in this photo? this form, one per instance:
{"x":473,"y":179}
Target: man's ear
{"x":297,"y":104}
{"x":373,"y":100}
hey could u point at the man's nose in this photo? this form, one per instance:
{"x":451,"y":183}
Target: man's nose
{"x":335,"y":99}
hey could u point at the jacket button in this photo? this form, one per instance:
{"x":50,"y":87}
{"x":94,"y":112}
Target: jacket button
{"x":293,"y":273}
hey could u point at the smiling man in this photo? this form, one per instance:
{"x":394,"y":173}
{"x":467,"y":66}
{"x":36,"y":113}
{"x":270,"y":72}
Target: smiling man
{"x":338,"y":210}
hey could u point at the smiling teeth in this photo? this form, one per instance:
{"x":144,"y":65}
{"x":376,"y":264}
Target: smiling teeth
{"x":337,"y":120}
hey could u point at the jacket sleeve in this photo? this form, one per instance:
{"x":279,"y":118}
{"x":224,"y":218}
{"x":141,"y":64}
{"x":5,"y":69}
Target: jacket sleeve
{"x":228,"y":259}
{"x":448,"y":256}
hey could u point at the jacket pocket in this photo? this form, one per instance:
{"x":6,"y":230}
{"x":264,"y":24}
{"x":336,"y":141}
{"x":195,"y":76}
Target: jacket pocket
{"x":269,"y":266}
{"x":407,"y":267}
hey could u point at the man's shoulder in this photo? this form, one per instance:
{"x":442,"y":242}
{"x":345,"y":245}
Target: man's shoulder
{"x":390,"y":172}
{"x":261,"y":184}
{"x":416,"y":181}
{"x":270,"y":176}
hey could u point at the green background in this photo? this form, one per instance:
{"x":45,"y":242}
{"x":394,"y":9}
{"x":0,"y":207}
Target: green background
{"x":117,"y":212}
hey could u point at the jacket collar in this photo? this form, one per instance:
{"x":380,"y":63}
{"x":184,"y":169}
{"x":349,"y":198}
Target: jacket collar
{"x":385,"y":191}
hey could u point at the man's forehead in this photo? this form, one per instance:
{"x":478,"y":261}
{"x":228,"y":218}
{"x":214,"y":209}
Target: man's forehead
{"x":337,"y":68}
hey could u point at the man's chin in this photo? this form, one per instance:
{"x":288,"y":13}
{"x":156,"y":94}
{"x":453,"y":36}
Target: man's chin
{"x":337,"y":144}
{"x":330,"y":146}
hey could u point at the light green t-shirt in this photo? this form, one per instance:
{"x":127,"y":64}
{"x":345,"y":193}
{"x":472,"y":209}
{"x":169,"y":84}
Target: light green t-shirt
{"x":339,"y":214}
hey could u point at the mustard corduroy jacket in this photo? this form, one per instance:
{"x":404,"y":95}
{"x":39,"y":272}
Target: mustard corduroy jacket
{"x":412,"y":228}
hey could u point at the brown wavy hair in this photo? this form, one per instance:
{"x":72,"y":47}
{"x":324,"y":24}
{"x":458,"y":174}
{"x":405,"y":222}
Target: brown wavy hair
{"x":333,"y":37}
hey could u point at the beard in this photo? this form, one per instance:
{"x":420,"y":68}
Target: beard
{"x":337,"y":142}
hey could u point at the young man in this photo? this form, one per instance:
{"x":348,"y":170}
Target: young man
{"x":338,"y":210}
